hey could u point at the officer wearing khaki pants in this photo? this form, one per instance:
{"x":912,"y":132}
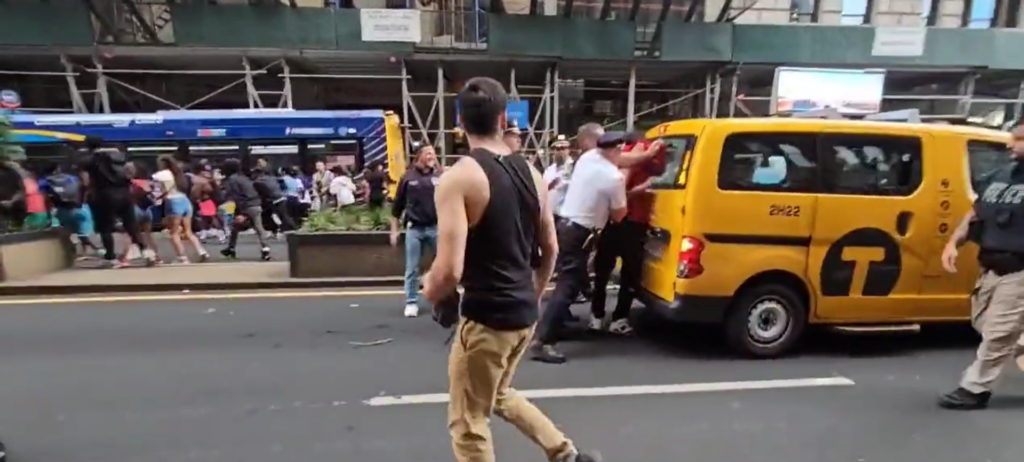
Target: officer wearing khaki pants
{"x":996,"y":223}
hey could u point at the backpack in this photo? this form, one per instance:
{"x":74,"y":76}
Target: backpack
{"x":63,"y":190}
{"x":110,"y":168}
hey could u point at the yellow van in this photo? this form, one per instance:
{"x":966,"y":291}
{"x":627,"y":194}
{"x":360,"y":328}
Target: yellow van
{"x":765,"y":225}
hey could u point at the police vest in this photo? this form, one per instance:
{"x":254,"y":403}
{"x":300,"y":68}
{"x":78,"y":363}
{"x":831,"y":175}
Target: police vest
{"x":1000,"y":208}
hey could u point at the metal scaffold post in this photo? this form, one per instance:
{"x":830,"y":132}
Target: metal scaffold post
{"x":631,"y":99}
{"x":417,"y":123}
{"x":542,"y":125}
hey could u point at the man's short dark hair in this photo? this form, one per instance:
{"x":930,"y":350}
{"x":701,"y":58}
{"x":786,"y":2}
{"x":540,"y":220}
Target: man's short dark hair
{"x":481,"y":104}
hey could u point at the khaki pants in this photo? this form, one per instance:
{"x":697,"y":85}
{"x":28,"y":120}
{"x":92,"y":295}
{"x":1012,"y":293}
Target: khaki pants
{"x":480,"y":369}
{"x":997,"y":313}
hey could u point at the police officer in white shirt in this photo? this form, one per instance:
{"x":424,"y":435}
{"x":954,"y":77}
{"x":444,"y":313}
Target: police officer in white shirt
{"x":596,"y":194}
{"x":557,"y":174}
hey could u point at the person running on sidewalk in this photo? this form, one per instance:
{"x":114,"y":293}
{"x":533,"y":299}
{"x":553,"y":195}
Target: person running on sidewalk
{"x":65,"y":194}
{"x":239,"y":189}
{"x":415,"y":199}
{"x":493,"y":217}
{"x":142,"y":197}
{"x":108,"y":189}
{"x":178,"y":208}
{"x":275,"y":204}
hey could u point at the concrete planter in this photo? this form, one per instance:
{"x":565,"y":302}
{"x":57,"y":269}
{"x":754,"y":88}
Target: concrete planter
{"x":347,"y":255}
{"x":32,"y":254}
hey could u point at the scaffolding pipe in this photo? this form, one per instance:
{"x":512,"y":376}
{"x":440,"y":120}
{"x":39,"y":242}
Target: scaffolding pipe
{"x":440,"y":115}
{"x":556,"y":101}
{"x":1018,"y":107}
{"x":100,"y":69}
{"x":655,"y":108}
{"x":77,"y":102}
{"x":545,"y":138}
{"x":349,"y":77}
{"x":42,"y":73}
{"x":734,"y":88}
{"x":101,"y":87}
{"x":250,"y":87}
{"x":406,"y":140}
{"x":631,"y":99}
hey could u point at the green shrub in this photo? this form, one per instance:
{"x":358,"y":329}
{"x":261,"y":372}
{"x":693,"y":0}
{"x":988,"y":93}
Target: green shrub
{"x":352,"y":218}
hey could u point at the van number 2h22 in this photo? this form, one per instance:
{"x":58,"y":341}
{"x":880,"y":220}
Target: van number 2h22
{"x":784,"y":210}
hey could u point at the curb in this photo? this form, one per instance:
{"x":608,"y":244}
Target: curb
{"x":43,"y":290}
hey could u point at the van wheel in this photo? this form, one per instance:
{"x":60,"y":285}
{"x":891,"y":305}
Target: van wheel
{"x":765,"y":321}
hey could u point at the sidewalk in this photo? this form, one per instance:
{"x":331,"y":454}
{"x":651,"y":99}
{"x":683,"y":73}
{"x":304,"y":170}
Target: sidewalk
{"x":172,"y":278}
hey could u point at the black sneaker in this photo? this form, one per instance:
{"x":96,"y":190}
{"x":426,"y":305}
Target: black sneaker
{"x":964,"y":400}
{"x":582,"y":457}
{"x":229,"y":253}
{"x":546,"y":354}
{"x":265,"y":254}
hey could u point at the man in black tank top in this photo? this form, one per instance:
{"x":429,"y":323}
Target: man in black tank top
{"x":496,"y":237}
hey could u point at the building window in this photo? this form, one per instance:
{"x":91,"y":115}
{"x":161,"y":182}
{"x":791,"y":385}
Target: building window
{"x":980,"y":14}
{"x":855,"y":12}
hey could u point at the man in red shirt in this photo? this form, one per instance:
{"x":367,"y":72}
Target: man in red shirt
{"x":625,"y":240}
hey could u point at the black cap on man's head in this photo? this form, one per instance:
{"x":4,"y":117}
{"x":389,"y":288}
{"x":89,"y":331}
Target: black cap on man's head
{"x":611,"y":140}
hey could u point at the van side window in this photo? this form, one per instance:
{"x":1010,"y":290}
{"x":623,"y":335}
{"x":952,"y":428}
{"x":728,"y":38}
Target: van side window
{"x":984,"y":158}
{"x":872,"y":165}
{"x":782,"y":162}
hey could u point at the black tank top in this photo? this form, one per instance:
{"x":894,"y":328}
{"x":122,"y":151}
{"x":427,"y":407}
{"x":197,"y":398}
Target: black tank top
{"x":498,"y":274}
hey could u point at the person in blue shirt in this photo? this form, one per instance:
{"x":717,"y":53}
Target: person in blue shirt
{"x":65,"y":194}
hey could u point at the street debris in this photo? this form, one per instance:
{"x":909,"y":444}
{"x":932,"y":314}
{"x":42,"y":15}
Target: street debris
{"x":370,"y":344}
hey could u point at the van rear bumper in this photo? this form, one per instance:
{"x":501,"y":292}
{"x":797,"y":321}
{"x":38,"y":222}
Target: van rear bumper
{"x":700,"y":309}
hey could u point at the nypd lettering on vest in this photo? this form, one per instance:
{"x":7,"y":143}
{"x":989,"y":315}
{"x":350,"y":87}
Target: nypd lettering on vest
{"x":1000,"y":208}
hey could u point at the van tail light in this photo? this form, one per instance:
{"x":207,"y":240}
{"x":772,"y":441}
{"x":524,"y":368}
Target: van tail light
{"x":689,"y":258}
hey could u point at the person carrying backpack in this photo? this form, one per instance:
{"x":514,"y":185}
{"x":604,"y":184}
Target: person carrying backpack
{"x":109,"y":191}
{"x":64,"y":192}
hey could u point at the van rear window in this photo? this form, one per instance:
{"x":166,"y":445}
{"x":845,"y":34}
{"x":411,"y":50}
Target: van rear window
{"x":677,"y":162}
{"x":984,"y":158}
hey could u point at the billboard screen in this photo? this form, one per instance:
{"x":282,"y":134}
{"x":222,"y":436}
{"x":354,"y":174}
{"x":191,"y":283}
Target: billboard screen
{"x":850,"y":91}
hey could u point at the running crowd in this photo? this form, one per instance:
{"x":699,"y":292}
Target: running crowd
{"x":103,"y":192}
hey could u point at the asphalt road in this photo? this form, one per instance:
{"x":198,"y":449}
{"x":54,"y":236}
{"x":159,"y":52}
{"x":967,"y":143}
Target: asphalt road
{"x":276,"y":379}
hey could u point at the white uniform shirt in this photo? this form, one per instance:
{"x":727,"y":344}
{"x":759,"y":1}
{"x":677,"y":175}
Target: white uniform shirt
{"x":596,"y":189}
{"x":556,"y":195}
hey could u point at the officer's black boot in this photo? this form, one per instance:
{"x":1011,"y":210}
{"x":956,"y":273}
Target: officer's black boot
{"x":964,"y":400}
{"x":229,"y":253}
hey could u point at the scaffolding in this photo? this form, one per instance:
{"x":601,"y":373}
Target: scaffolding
{"x":553,"y":90}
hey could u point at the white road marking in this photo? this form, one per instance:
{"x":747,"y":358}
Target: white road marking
{"x":212,"y":295}
{"x":439,"y":398}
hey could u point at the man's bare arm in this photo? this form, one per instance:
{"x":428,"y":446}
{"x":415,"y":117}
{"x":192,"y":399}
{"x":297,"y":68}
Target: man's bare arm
{"x":959,"y":236}
{"x":546,"y":238}
{"x":452,"y":228}
{"x":638,"y":155}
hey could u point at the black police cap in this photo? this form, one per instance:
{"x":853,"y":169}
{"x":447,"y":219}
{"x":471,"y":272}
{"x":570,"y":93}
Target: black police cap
{"x":611,"y":140}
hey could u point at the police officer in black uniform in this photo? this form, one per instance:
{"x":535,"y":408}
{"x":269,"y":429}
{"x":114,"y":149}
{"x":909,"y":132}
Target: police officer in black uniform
{"x":996,"y":223}
{"x":414,"y":210}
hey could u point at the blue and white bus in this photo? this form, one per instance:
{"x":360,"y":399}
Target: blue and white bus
{"x":283,"y":137}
